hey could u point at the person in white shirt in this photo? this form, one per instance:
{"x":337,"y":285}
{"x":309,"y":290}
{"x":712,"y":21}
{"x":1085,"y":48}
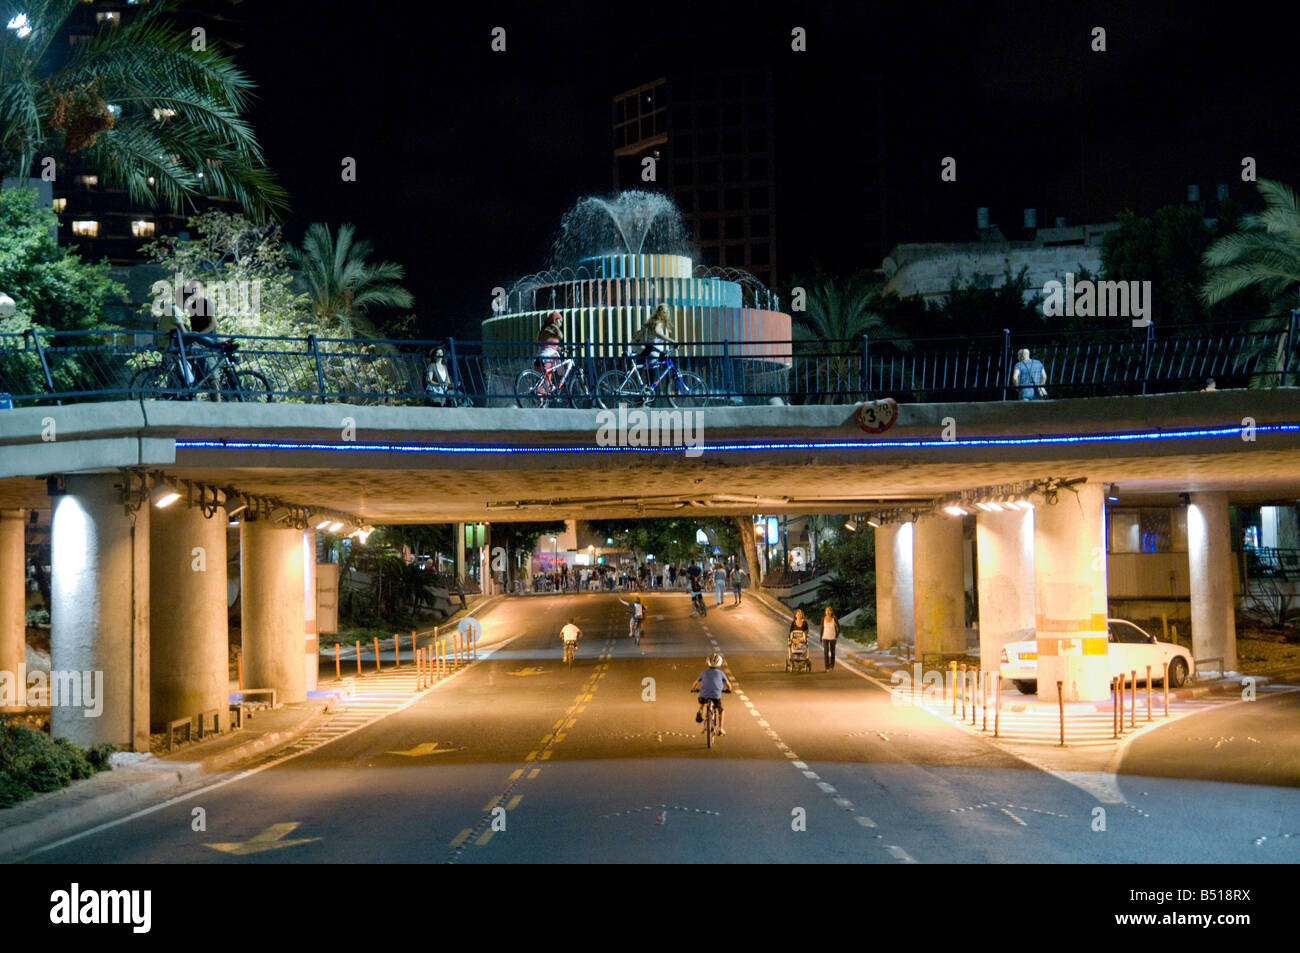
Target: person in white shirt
{"x":571,"y":632}
{"x":830,"y":635}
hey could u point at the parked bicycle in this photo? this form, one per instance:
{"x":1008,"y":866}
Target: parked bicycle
{"x":637,"y":386}
{"x":558,"y":382}
{"x":206,"y":369}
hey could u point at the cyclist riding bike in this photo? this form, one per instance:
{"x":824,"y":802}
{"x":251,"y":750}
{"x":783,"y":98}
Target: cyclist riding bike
{"x":569,"y":635}
{"x":638,"y":615}
{"x":697,"y":596}
{"x":711,"y":683}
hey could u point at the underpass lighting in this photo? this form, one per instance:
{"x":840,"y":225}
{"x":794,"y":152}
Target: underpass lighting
{"x":851,"y":525}
{"x":873,"y":523}
{"x":323,"y":523}
{"x":164,"y":495}
{"x":955,"y":510}
{"x":335,"y":526}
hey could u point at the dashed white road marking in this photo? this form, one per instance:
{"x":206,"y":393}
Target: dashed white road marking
{"x":865,"y":821}
{"x":1013,"y":817}
{"x":901,"y":854}
{"x":827,"y":788}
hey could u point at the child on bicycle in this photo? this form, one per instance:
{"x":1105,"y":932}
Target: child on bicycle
{"x":638,"y":614}
{"x":549,"y":339}
{"x":657,"y":336}
{"x":570,"y":634}
{"x":712,"y":682}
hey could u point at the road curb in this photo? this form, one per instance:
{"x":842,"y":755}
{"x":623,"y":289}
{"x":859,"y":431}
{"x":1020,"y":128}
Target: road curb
{"x":224,"y":760}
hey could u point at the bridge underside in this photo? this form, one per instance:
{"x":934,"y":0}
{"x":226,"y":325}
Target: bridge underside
{"x":407,"y":465}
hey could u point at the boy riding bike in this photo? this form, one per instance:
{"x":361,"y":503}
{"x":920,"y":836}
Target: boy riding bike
{"x":711,"y":683}
{"x":638,"y":616}
{"x":569,"y":635}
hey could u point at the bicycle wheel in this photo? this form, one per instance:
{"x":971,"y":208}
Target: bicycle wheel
{"x":618,"y":387}
{"x":248,"y":386}
{"x":709,"y":720}
{"x":685,"y":389}
{"x":580,"y":396}
{"x":151,"y":383}
{"x":530,"y":389}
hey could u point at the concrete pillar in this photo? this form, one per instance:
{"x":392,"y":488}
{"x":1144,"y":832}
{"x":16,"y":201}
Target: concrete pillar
{"x":272,"y":587}
{"x":459,"y":529}
{"x":1004,"y":545}
{"x":1209,"y":553}
{"x":13,"y":596}
{"x":485,"y":562}
{"x":189,"y":639}
{"x":311,"y":646}
{"x":894,"y":605}
{"x":100,"y":612}
{"x":1070,"y":595}
{"x":939,"y":599}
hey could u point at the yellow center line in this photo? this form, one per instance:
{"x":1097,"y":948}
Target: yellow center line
{"x":534,"y":773}
{"x":515,"y":774}
{"x":587,"y":699}
{"x":560,"y":737}
{"x":546,"y":756}
{"x":530,"y":756}
{"x":545,"y":738}
{"x":485,"y":837}
{"x":558,"y":724}
{"x":514,"y":802}
{"x":571,"y":723}
{"x":582,"y":708}
{"x":492,"y":803}
{"x":461,"y":837}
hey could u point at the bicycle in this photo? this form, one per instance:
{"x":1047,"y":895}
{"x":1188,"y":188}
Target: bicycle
{"x":634,"y":630}
{"x":710,"y":717}
{"x":697,"y":602}
{"x":570,"y":650}
{"x":680,"y":388}
{"x":559,"y":382}
{"x":174,"y":378}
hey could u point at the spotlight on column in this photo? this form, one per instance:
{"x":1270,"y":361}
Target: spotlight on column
{"x":324,"y":523}
{"x":233,"y":511}
{"x":362,"y":534}
{"x":956,"y":510}
{"x":851,"y":525}
{"x":334,"y":527}
{"x":280,"y":514}
{"x":872,"y":523}
{"x":1112,"y":495}
{"x":164,"y":495}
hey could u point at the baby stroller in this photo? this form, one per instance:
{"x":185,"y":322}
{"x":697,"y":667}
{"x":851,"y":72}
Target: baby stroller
{"x":798,"y":660}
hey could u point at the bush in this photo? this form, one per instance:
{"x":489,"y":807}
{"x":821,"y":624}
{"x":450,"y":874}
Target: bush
{"x":31,"y":763}
{"x":38,"y":617}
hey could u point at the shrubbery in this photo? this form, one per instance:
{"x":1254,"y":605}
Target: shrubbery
{"x":31,"y":763}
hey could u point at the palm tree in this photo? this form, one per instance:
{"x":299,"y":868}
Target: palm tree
{"x":838,"y":312}
{"x":342,"y":286}
{"x":137,"y":102}
{"x":1264,"y":253}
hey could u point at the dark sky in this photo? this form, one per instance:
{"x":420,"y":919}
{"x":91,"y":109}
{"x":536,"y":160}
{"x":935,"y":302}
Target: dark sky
{"x":468,"y":158}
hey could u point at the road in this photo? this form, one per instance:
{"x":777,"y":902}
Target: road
{"x":520,"y":760}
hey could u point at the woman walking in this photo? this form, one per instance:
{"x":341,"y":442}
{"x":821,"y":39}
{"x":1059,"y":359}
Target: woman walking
{"x":830,"y":635}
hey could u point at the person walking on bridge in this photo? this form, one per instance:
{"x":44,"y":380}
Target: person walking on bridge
{"x":1030,"y":376}
{"x":830,"y":635}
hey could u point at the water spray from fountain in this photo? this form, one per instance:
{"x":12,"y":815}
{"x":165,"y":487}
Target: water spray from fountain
{"x":630,"y":223}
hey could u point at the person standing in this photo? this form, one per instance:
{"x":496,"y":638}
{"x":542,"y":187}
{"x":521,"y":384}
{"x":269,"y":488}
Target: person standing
{"x":735,"y":583}
{"x":719,"y":583}
{"x":1030,"y":376}
{"x":830,"y":635}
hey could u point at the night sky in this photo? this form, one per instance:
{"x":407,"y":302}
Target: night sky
{"x":468,"y":158}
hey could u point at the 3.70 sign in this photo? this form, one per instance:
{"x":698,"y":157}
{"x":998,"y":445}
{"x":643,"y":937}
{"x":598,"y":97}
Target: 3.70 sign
{"x":876,"y":416}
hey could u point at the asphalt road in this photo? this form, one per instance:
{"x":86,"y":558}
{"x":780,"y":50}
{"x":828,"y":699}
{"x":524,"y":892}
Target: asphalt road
{"x":521,"y":760}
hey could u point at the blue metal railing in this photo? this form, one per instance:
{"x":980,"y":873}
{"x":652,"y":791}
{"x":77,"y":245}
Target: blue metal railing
{"x":62,"y":367}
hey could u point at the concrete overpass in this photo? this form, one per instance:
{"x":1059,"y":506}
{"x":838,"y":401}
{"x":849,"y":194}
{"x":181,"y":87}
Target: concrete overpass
{"x":130,"y":599}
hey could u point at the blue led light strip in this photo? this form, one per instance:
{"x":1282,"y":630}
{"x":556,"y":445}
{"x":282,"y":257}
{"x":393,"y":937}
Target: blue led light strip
{"x":746,"y":447}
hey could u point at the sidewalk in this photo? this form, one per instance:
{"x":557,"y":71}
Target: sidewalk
{"x":339,"y":707}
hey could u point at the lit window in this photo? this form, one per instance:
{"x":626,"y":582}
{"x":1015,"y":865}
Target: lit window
{"x":150,"y":180}
{"x":87,"y":181}
{"x":163,"y":113}
{"x":143,"y":228}
{"x":108,"y":16}
{"x":114,"y":110}
{"x":87,"y":228}
{"x":21,"y":25}
{"x":60,"y":205}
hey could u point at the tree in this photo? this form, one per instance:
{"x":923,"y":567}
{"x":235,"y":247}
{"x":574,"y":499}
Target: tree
{"x":1263,"y":253}
{"x":246,"y":258}
{"x":342,"y":285}
{"x":52,"y":287}
{"x":852,"y":557}
{"x":839,"y":309}
{"x":142,"y":102}
{"x":973,"y":310}
{"x":1165,"y":249}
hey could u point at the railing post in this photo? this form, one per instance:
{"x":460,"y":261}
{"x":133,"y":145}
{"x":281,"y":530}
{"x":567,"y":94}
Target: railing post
{"x":866,"y":367}
{"x":1004,"y":371}
{"x":320,"y":371}
{"x":1146,"y":355}
{"x":35,"y":338}
{"x":726,"y":386}
{"x":1291,"y":350}
{"x":453,"y":370}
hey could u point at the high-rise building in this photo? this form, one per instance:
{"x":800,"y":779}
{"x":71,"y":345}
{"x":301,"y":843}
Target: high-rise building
{"x":711,"y":138}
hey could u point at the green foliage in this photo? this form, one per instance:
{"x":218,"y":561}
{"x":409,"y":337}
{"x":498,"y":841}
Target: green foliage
{"x":138,"y":103}
{"x":342,"y":285}
{"x":52,"y":287}
{"x":976,"y":310}
{"x":31,"y":763}
{"x":232,"y":248}
{"x":1165,"y":249}
{"x":671,"y":539}
{"x":1261,"y":255}
{"x":852,"y":557}
{"x":839,"y":308}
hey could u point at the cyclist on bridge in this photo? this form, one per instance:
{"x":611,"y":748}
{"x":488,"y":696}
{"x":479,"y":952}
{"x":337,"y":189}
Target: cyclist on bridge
{"x":712,"y":682}
{"x":638,"y":613}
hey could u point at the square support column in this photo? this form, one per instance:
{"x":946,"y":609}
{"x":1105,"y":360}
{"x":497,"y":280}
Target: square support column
{"x":938,"y":580}
{"x":894,"y":594}
{"x":272,"y":591}
{"x":1209,"y":555}
{"x":13,"y":596}
{"x":1005,"y":562}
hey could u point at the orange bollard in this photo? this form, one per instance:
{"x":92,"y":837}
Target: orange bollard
{"x":1119,"y":694}
{"x":1148,"y":693}
{"x":1114,"y":711}
{"x":358,"y":656}
{"x":338,"y":660}
{"x":963,"y":694}
{"x":397,"y":650}
{"x":378,"y":665}
{"x":985,"y":699}
{"x":1133,"y":701}
{"x":974,"y":691}
{"x":239,"y":664}
{"x":997,"y":705}
{"x":952,"y":667}
{"x":1166,"y":667}
{"x":412,"y":642}
{"x":1060,"y":703}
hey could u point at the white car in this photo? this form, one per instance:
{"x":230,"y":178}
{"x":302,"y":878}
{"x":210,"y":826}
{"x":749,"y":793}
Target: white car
{"x":1130,"y":648}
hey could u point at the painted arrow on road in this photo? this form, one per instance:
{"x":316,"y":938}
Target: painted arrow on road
{"x":425,"y":748}
{"x":270,"y":839}
{"x":530,"y":670}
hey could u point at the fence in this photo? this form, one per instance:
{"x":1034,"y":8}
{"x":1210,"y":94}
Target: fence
{"x":61,"y":367}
